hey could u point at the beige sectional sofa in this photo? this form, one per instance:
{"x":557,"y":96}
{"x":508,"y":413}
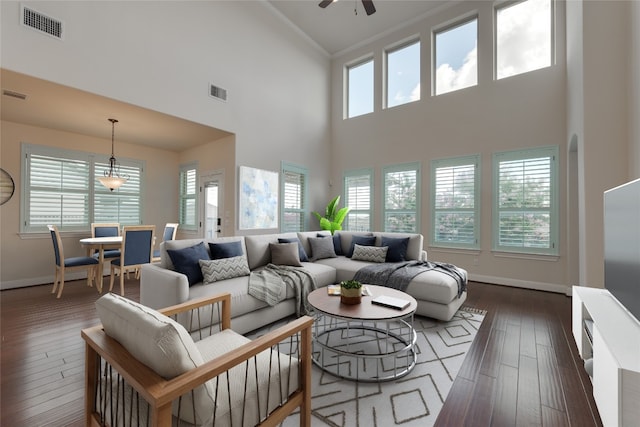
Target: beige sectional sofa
{"x":161,"y":286}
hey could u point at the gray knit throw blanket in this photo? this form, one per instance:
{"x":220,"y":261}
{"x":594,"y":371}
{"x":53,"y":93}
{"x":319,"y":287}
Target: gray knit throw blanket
{"x":398,"y":275}
{"x":269,"y":285}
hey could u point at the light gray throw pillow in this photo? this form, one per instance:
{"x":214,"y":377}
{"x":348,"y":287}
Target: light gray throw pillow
{"x":321,"y":247}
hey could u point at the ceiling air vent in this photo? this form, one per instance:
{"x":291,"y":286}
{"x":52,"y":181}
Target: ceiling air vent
{"x":41,"y":22}
{"x":217,"y":92}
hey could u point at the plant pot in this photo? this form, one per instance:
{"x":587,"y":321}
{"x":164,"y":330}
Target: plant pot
{"x":351,"y":296}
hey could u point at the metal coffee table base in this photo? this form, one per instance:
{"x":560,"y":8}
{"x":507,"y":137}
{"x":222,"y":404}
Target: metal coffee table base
{"x":368,"y":351}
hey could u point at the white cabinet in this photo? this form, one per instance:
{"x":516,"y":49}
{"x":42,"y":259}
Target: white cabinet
{"x":606,"y":332}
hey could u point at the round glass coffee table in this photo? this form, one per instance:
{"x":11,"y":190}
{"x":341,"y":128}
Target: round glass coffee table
{"x":364,"y":342}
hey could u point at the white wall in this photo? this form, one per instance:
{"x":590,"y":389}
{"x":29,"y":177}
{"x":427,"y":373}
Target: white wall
{"x":162,"y":55}
{"x":598,"y":111}
{"x":518,"y":112}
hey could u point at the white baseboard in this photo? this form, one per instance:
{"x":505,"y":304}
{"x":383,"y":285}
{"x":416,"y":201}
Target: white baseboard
{"x":44,"y":280}
{"x":526,"y":284}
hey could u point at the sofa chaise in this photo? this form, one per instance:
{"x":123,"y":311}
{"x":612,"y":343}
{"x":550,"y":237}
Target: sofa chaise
{"x":164,"y":284}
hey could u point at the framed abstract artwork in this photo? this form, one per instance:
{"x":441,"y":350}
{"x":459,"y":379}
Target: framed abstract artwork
{"x":258,"y":199}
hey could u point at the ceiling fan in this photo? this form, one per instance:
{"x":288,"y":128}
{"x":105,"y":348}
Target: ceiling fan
{"x":368,"y":5}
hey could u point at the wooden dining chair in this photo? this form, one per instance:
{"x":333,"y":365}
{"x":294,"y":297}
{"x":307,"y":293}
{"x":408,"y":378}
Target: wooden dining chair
{"x":106,"y":229}
{"x":170,"y":231}
{"x":137,"y":249}
{"x":63,"y":264}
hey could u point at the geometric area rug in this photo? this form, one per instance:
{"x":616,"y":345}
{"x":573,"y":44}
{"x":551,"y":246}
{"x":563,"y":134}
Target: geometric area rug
{"x":412,"y":400}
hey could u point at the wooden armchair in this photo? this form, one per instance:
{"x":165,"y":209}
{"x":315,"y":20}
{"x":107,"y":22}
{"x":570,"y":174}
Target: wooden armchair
{"x":135,"y":377}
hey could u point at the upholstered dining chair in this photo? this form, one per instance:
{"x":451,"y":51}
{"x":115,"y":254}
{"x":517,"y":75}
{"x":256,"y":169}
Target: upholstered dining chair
{"x":106,"y":229}
{"x":137,"y":249}
{"x":170,"y":230}
{"x":74,"y":263}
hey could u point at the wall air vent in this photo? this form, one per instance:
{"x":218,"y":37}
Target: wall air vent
{"x":41,"y":22}
{"x":217,"y":92}
{"x":14,"y":94}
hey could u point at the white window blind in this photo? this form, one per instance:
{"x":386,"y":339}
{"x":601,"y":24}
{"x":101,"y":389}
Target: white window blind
{"x":525,"y":201}
{"x":294,"y":205}
{"x":358,"y":194}
{"x":121,"y":205}
{"x":58,"y":192}
{"x":401,"y":198}
{"x":61,"y":188}
{"x":455,"y":206}
{"x":188,"y":197}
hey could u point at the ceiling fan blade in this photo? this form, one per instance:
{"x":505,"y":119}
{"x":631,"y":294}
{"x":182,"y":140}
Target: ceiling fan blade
{"x":369,"y":7}
{"x":325,"y":3}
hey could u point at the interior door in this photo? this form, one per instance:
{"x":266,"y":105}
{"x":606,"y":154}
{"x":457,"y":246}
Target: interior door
{"x":211,"y":206}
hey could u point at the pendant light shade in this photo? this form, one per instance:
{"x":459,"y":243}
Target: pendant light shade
{"x":112,"y":179}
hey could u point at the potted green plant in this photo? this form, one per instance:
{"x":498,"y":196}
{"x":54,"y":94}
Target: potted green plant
{"x":350,"y":292}
{"x":333,"y":217}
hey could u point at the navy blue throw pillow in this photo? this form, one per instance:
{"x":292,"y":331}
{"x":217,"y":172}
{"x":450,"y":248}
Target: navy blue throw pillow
{"x":397,"y":251}
{"x":185,"y":261}
{"x":225,"y":250}
{"x":337,"y":244}
{"x":362,"y":241}
{"x":301,"y":251}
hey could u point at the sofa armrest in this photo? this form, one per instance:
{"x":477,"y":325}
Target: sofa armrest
{"x":423,"y":255}
{"x":161,"y":287}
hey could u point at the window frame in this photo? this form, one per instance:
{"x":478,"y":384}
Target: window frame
{"x":453,"y":162}
{"x":356,"y":173}
{"x":95,"y":163}
{"x":304,"y":198}
{"x":552,"y":36}
{"x":347,"y":85}
{"x":404,"y":167}
{"x":463,"y":20}
{"x":184,"y":198}
{"x":552,"y":152}
{"x":391,"y":50}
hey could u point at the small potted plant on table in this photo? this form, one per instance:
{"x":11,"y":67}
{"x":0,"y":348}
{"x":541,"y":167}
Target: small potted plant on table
{"x":350,"y":292}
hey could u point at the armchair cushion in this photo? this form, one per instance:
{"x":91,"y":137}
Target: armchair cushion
{"x":185,"y":261}
{"x":160,"y":343}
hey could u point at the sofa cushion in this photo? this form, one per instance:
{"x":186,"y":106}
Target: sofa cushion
{"x":397,"y":248}
{"x":160,"y":343}
{"x":360,"y":240}
{"x":285,"y":253}
{"x":370,"y":253}
{"x":301,"y":251}
{"x":214,"y":270}
{"x":321,"y":247}
{"x":225,"y":249}
{"x":185,"y":261}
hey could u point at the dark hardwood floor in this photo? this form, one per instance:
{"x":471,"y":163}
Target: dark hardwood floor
{"x":523,"y":368}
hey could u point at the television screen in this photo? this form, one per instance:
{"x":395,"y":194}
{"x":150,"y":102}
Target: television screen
{"x":622,"y":245}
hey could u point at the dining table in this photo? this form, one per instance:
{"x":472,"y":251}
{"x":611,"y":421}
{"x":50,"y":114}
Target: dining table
{"x":101,"y":244}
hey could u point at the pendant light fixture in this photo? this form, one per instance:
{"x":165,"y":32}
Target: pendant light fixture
{"x":112,"y":178}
